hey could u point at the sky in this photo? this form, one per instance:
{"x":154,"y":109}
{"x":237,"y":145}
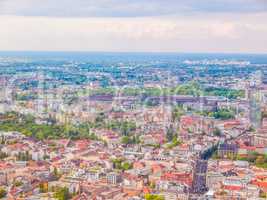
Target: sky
{"x":227,"y":26}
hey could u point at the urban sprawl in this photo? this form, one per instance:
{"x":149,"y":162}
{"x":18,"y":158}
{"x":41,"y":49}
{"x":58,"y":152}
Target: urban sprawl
{"x":132,"y":127}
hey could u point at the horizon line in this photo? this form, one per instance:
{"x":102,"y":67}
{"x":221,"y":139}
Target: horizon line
{"x":128,"y":52}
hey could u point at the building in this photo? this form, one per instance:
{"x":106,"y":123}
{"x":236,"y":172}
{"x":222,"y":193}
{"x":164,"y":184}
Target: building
{"x":226,"y":149}
{"x":113,"y":178}
{"x":214,"y":178}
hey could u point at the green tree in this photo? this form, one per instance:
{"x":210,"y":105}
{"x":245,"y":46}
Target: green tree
{"x":217,"y":132}
{"x":153,"y":197}
{"x":3,"y":155}
{"x":223,"y":114}
{"x":62,"y":194}
{"x":125,"y":140}
{"x":3,"y":192}
{"x":130,"y":140}
{"x":126,"y":166}
{"x":2,"y":140}
{"x":18,"y":183}
{"x":55,"y":172}
{"x":40,"y":135}
{"x":175,"y":142}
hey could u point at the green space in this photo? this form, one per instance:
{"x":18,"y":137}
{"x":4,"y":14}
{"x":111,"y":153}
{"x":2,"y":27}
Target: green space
{"x":259,"y":160}
{"x":222,"y":114}
{"x":62,"y":194}
{"x":190,"y":88}
{"x":26,"y":125}
{"x":130,"y":140}
{"x":175,"y":142}
{"x":121,"y":164}
{"x":153,"y":197}
{"x":253,"y":157}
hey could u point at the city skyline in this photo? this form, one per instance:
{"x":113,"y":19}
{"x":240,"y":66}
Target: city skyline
{"x":133,"y":99}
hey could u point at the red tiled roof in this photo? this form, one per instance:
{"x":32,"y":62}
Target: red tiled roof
{"x":4,"y":166}
{"x":233,"y":187}
{"x":261,"y":184}
{"x":250,"y":148}
{"x":231,"y":122}
{"x":179,"y":177}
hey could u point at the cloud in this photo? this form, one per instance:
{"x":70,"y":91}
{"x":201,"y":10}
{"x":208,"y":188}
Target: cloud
{"x":134,"y":25}
{"x":135,"y":34}
{"x":125,"y":8}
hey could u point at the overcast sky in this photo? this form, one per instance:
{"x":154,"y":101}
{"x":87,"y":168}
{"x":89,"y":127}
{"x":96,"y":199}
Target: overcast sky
{"x":238,"y":26}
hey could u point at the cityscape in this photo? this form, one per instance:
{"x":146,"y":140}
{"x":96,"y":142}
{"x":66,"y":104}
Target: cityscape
{"x":133,"y":126}
{"x":133,"y":100}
